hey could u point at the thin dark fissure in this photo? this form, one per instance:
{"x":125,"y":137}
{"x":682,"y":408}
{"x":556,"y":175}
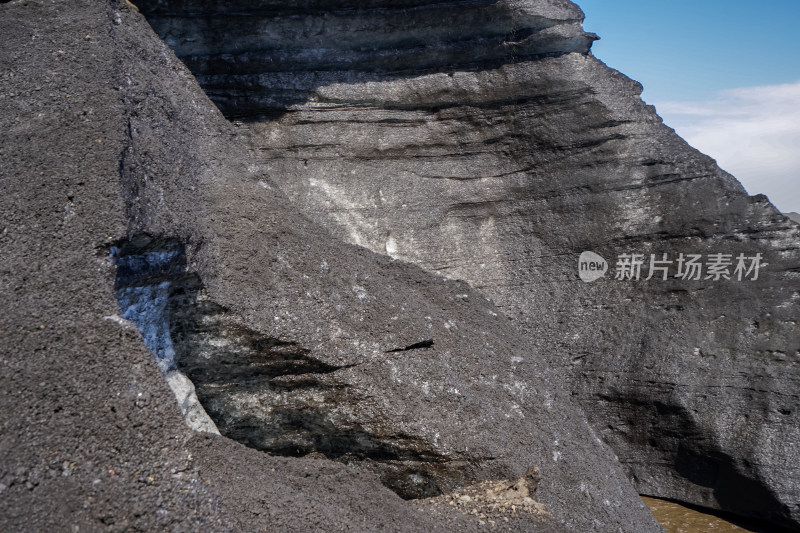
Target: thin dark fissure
{"x":416,"y":346}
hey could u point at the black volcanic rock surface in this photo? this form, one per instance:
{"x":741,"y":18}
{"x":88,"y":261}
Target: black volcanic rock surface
{"x":483,"y":141}
{"x":111,"y":150}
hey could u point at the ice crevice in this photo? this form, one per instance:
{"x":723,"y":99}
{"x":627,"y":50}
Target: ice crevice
{"x":146,"y":273}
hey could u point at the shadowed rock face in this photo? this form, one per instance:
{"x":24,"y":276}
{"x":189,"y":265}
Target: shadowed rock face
{"x":276,"y":396}
{"x":281,"y":52}
{"x":483,"y":142}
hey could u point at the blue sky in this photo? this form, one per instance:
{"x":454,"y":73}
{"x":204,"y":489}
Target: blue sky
{"x":724,"y":74}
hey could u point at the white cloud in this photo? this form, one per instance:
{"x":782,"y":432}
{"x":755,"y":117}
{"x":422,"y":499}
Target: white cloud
{"x":753,"y":133}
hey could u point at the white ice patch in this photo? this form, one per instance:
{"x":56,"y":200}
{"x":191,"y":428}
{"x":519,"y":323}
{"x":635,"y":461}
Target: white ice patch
{"x":391,"y":245}
{"x":146,"y":307}
{"x":119,"y":320}
{"x":193,"y":413}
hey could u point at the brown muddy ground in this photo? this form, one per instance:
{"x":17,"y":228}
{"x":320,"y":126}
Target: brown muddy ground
{"x":677,"y":518}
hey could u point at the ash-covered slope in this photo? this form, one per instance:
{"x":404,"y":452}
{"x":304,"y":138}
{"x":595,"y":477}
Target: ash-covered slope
{"x":484,"y":142}
{"x":297,"y":343}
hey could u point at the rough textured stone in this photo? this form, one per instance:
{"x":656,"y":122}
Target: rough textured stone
{"x":482,"y":141}
{"x":109,"y":150}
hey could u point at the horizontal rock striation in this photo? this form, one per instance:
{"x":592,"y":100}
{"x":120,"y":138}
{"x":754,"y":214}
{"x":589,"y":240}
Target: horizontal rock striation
{"x":279,"y":53}
{"x":482,"y":141}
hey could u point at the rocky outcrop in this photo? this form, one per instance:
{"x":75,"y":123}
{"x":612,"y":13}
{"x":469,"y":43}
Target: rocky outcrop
{"x":126,"y":192}
{"x":496,"y":149}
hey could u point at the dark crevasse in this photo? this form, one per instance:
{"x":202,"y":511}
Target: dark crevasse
{"x":277,"y":396}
